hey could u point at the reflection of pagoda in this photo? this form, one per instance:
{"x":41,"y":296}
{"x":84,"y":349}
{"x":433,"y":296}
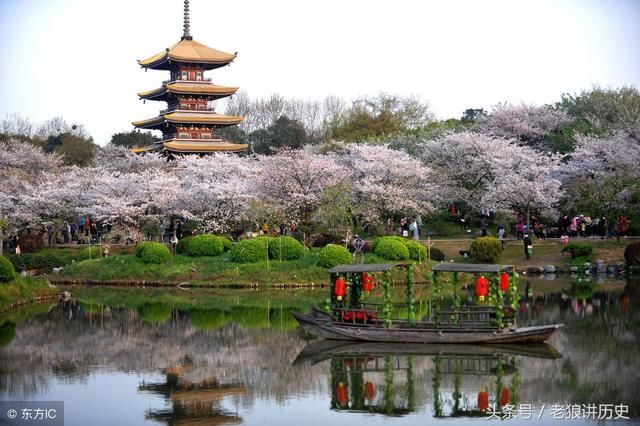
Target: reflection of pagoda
{"x":189,"y":122}
{"x":192,"y":403}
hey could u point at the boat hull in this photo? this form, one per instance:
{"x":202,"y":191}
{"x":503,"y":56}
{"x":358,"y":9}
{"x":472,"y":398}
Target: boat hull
{"x":320,"y":324}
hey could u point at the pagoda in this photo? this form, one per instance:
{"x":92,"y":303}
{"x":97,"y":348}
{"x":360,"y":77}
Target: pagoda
{"x":189,"y":122}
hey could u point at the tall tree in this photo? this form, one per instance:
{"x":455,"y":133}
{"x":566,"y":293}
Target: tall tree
{"x":133,"y":139}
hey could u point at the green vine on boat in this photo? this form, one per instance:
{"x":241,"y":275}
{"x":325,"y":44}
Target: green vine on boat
{"x":513,"y":290}
{"x":387,"y":302}
{"x":411,"y":314}
{"x":498,"y":301}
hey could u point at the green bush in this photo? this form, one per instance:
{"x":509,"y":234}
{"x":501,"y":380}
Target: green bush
{"x":333,"y":255}
{"x":227,"y":243}
{"x":183,"y":245}
{"x":285,"y":248}
{"x":251,"y":251}
{"x":206,"y":245}
{"x":140,"y":248}
{"x":578,"y":249}
{"x":486,"y":250}
{"x":92,"y":253}
{"x":394,"y":238}
{"x":7,"y":271}
{"x":391,"y":248}
{"x":416,"y":250}
{"x":156,"y":253}
{"x":41,"y":262}
{"x":436,"y":254}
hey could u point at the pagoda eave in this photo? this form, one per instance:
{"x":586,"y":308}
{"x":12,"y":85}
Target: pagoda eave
{"x":212,"y":91}
{"x":188,"y":51}
{"x":158,"y":123}
{"x":192,"y":146}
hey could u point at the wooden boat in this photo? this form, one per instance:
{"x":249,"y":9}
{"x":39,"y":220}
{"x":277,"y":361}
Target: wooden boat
{"x":322,"y":350}
{"x":353,"y":319}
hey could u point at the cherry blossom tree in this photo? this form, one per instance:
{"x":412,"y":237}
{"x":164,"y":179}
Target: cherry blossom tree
{"x":387,"y":181}
{"x":526,"y":123}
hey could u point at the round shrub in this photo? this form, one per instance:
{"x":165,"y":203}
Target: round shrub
{"x":156,"y":253}
{"x":250,"y":251}
{"x":578,"y":249}
{"x":140,"y":248}
{"x":416,"y":250}
{"x":333,"y":255}
{"x":91,"y":253}
{"x":392,"y":249}
{"x":285,"y":248}
{"x":436,"y":254}
{"x":394,"y":238}
{"x":7,"y":271}
{"x":183,"y":245}
{"x":227,"y":243}
{"x":486,"y":249}
{"x":205,"y":245}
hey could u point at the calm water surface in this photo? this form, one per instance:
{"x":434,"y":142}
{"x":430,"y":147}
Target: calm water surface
{"x":158,"y":365}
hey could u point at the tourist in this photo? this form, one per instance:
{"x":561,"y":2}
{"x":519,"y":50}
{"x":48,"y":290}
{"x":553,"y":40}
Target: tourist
{"x":66,"y":230}
{"x":623,"y":226}
{"x":528,"y":246}
{"x":414,"y":229}
{"x":564,"y":239}
{"x":573,"y":228}
{"x":283,"y":229}
{"x":50,"y":239}
{"x":73,"y":231}
{"x":484,"y":223}
{"x":520,"y":229}
{"x":265,"y":228}
{"x":501,"y":235}
{"x":179,"y":229}
{"x":389,"y":226}
{"x":81,"y":225}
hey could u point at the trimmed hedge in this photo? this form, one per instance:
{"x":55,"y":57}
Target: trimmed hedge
{"x":416,"y":250}
{"x":375,"y":242}
{"x":41,"y":262}
{"x":333,"y":255}
{"x":227,"y":243}
{"x":437,"y":254}
{"x":7,"y":271}
{"x":155,"y":253}
{"x":94,"y":252}
{"x":183,"y":245}
{"x":578,"y":249}
{"x":140,"y":248}
{"x":486,"y":249}
{"x":251,"y":251}
{"x":285,"y":248}
{"x":206,"y":245}
{"x":392,"y":249}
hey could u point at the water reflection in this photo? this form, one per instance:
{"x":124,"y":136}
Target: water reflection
{"x":233,"y":364}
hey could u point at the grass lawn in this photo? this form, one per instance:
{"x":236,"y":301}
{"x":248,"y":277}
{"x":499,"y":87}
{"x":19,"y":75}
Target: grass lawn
{"x":23,"y":290}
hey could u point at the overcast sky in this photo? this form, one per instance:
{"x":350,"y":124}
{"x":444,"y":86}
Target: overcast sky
{"x":77,"y":58}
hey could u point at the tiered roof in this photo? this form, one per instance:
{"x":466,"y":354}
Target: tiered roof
{"x":188,"y":53}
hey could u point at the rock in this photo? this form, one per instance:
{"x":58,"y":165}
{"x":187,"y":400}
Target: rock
{"x":535,"y":270}
{"x":602,"y":268}
{"x":573,"y":269}
{"x":549,"y":269}
{"x":612,"y":269}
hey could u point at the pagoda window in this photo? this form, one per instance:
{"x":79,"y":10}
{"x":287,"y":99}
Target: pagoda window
{"x":199,"y":75}
{"x":192,"y":75}
{"x":183,"y":75}
{"x":183,"y":135}
{"x":201,"y":107}
{"x":195,"y":135}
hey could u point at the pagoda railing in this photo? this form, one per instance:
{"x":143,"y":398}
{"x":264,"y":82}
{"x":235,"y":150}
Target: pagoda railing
{"x":204,"y":80}
{"x":165,"y":111}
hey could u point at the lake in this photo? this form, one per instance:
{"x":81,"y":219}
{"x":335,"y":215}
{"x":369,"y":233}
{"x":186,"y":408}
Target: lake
{"x":232,"y":364}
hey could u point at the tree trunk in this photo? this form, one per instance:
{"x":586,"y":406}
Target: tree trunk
{"x":528,"y":222}
{"x":1,"y":240}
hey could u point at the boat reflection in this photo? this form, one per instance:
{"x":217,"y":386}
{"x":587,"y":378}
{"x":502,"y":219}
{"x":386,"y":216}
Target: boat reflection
{"x":391,"y":379}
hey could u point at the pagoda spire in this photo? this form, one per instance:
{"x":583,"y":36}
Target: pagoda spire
{"x":187,"y":27}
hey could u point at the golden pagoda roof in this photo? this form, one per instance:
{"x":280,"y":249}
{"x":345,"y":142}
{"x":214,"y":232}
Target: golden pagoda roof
{"x":178,"y":145}
{"x":188,"y":50}
{"x":190,"y":89}
{"x":197,"y":146}
{"x":189,"y":117}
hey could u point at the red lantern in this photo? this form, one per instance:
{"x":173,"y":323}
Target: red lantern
{"x":482,"y":287}
{"x":504,"y":282}
{"x":483,"y":400}
{"x":341,"y":394}
{"x":504,"y":397}
{"x":340,"y":288}
{"x":369,"y":391}
{"x":367,"y":282}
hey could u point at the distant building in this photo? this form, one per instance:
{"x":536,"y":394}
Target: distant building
{"x":189,"y":123}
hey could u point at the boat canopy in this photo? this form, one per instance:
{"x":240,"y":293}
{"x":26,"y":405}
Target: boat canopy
{"x":371,"y":267}
{"x":471,"y":268}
